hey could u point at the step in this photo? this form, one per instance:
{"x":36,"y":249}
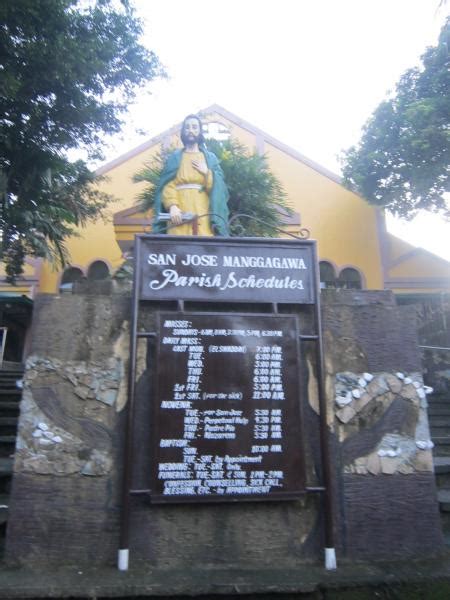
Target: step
{"x":438,"y":411}
{"x":439,"y":448}
{"x":8,"y":421}
{"x":438,"y":432}
{"x":444,"y":500}
{"x":438,"y":403}
{"x":11,"y":387}
{"x":10,"y":372}
{"x":438,"y":406}
{"x":436,"y":429}
{"x":441,"y":464}
{"x":443,"y":438}
{"x":7,"y":439}
{"x":438,"y":440}
{"x":6,"y":466}
{"x":12,"y":365}
{"x":6,"y":374}
{"x":9,"y":405}
{"x":10,"y":392}
{"x":443,"y":451}
{"x":440,"y":416}
{"x":437,"y":436}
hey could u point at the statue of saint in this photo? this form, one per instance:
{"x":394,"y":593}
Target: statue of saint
{"x":192,"y":182}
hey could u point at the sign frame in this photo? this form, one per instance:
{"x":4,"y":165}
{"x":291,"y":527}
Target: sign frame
{"x":295,"y":419}
{"x":200,"y":269}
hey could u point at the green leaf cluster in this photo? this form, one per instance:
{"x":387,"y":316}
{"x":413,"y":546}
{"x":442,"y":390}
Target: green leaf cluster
{"x":68,"y":70}
{"x":402,"y":161}
{"x":254,"y":190}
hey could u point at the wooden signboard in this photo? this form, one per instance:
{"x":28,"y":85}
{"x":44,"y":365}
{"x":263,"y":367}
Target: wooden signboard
{"x":279,"y":270}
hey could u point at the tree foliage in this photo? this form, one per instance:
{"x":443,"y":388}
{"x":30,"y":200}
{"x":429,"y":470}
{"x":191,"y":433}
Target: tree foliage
{"x":68,"y":70}
{"x":254,"y":189}
{"x":402,"y":161}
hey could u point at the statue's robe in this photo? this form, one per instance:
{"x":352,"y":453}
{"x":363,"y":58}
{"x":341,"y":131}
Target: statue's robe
{"x":210,"y":194}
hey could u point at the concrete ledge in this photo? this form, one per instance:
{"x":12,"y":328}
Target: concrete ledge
{"x":313,"y":581}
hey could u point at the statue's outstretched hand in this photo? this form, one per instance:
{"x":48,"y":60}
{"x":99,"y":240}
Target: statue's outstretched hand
{"x":176,"y":216}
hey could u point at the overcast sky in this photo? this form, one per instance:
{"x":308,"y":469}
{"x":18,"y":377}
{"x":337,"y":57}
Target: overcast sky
{"x":308,"y":72}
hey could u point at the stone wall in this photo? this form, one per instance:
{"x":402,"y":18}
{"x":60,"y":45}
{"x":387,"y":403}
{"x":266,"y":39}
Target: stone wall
{"x":68,"y":468}
{"x":64,"y":501}
{"x":384,"y":461}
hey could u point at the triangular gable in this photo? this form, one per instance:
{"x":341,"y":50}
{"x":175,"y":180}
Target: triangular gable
{"x":261,"y":137}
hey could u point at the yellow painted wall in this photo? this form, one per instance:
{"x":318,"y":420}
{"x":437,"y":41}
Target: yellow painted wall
{"x":343,"y":224}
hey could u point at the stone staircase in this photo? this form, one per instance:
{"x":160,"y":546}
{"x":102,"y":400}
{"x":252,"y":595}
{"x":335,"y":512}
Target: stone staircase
{"x":10,"y":396}
{"x":439,"y":420}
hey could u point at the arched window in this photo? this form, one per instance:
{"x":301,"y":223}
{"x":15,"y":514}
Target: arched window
{"x":98,"y":270}
{"x":349,"y":279}
{"x":69,"y":277}
{"x":327,"y":275}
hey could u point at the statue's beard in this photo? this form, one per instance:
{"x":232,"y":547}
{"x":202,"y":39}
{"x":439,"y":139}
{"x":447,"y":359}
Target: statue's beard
{"x":190,"y":138}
